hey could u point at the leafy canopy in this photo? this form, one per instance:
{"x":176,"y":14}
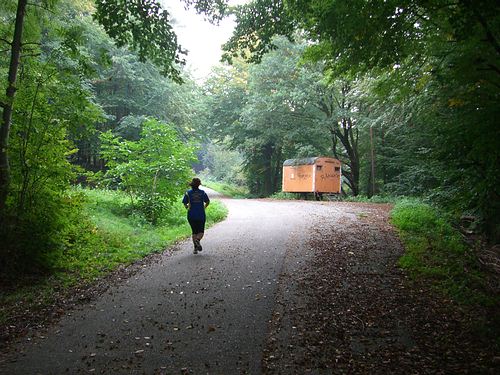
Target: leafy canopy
{"x":146,"y":28}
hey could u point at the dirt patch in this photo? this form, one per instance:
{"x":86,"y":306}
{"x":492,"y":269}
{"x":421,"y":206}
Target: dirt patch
{"x":349,"y":308}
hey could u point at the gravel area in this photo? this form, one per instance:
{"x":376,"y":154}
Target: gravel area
{"x":347,"y":308}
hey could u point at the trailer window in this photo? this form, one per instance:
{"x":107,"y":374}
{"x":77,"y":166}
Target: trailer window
{"x":337,"y":169}
{"x":319,"y":167}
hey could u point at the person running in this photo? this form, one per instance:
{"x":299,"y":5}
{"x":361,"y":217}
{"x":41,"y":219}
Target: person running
{"x":195,"y":201}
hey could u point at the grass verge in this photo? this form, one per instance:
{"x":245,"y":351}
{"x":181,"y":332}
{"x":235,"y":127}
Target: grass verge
{"x":373,"y":199}
{"x":285,"y":196}
{"x":109,"y":235}
{"x":436,"y":252}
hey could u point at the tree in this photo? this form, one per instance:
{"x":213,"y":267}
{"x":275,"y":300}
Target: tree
{"x":338,"y":104}
{"x":226,"y":93}
{"x":49,"y":106}
{"x":223,"y":164}
{"x":8,"y":104}
{"x":128,"y":91}
{"x":442,"y":59}
{"x":51,"y":102}
{"x":141,"y":24}
{"x":275,"y":120}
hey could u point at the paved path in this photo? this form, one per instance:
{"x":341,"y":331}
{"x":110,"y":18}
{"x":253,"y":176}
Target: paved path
{"x":197,"y":314}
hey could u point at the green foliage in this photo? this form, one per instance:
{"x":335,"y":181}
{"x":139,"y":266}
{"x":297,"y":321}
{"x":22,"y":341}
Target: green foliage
{"x":372,"y":199}
{"x":430,"y":74}
{"x":130,"y":90}
{"x":154,"y":169}
{"x":226,"y":95}
{"x":257,"y":22}
{"x":34,"y":240}
{"x":67,"y":66}
{"x":268,"y":121}
{"x":285,"y":196}
{"x":222,"y":164}
{"x":52,"y":103}
{"x":435,"y":251}
{"x":145,"y":27}
{"x":121,"y":235}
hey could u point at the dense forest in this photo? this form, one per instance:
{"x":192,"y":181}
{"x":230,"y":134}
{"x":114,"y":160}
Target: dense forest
{"x":95,"y":94}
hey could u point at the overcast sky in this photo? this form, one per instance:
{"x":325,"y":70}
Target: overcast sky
{"x":202,"y":39}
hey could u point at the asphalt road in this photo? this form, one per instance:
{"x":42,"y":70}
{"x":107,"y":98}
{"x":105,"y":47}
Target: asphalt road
{"x":198,"y":314}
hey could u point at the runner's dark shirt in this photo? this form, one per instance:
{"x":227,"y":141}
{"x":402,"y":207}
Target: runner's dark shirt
{"x":196,"y":199}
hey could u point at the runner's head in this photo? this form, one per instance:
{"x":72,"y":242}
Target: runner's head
{"x":195,"y":183}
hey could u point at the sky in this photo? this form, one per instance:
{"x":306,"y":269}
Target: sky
{"x":202,"y":39}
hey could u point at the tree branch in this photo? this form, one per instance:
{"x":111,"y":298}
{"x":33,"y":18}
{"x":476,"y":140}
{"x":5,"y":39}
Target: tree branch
{"x":41,"y":6}
{"x":31,"y":55}
{"x":489,"y":35}
{"x":28,"y":43}
{"x":6,"y":41}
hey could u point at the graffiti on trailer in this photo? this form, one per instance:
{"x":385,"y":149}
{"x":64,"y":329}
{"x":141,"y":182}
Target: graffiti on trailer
{"x":328,"y":175}
{"x":304,"y":176}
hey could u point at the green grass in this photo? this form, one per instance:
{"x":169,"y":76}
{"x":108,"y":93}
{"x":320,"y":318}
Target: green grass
{"x":228,"y":190}
{"x":110,"y":234}
{"x":373,"y":199}
{"x":435,"y":252}
{"x":285,"y":196}
{"x":122,"y":236}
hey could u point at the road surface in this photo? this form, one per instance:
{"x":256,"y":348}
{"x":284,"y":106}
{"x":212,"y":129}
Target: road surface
{"x":281,"y":287}
{"x":198,"y":314}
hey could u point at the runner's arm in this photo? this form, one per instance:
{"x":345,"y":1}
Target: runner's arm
{"x":185,"y":201}
{"x":206,"y":199}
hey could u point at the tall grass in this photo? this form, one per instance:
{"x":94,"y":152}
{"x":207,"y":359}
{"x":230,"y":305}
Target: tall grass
{"x":435,"y":251}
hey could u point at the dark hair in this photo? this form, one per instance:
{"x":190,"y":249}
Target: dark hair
{"x":195,"y":182}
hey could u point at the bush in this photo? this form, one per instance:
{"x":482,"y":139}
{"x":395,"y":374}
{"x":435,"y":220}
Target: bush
{"x":153,"y":169}
{"x":115,"y":232}
{"x":32,"y":240}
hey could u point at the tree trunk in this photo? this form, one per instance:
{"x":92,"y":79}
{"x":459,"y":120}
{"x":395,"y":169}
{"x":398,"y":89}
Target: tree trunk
{"x":277,"y":169}
{"x":8,"y":106}
{"x":268,"y":170}
{"x":372,"y":156}
{"x":355,"y":176}
{"x":384,"y":166}
{"x":343,"y":130}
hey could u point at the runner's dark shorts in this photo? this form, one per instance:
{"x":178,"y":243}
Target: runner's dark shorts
{"x":197,"y":226}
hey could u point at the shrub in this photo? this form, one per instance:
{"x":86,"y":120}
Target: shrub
{"x":154,"y":169}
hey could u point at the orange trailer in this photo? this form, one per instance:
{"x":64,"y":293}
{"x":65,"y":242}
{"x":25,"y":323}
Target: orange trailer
{"x":312,"y":175}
